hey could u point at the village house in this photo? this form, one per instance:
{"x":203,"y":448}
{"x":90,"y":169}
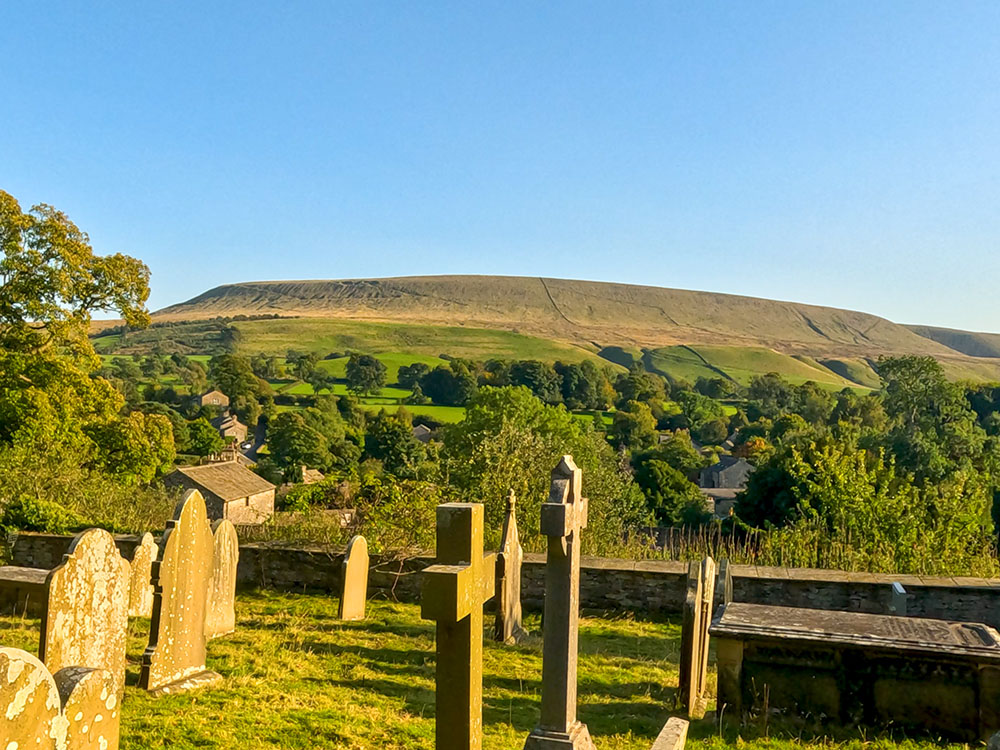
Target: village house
{"x":230,"y":427}
{"x":422,"y":433}
{"x":231,"y":491}
{"x":213,"y":397}
{"x":721,"y":482}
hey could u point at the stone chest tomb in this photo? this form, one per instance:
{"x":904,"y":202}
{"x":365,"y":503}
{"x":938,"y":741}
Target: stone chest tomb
{"x":829,"y":668}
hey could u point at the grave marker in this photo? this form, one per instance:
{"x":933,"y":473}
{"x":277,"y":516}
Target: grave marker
{"x":563,"y":518}
{"x":907,"y":673}
{"x":220,"y":614}
{"x":898,"y":604}
{"x":507,"y":625}
{"x":354,"y":580}
{"x":174,"y":660}
{"x":140,"y":599}
{"x":90,"y":707}
{"x":454,"y":590}
{"x":85,"y":622}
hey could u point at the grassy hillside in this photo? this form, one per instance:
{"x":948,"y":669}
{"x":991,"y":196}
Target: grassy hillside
{"x":740,"y":364}
{"x":966,"y":342}
{"x":583,"y":312}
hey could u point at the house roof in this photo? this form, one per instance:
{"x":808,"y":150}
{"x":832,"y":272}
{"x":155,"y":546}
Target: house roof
{"x":230,"y":480}
{"x":227,"y":420}
{"x":725,"y":462}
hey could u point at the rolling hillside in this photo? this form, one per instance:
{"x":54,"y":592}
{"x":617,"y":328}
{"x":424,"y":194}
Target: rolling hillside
{"x":679,"y":333}
{"x":590,"y":312}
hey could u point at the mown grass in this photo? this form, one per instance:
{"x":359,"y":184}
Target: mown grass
{"x":296,"y":678}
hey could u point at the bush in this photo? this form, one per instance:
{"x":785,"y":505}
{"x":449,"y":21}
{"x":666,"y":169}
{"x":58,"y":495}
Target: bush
{"x":33,"y":514}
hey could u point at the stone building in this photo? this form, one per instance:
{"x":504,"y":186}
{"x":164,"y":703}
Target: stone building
{"x":230,"y":427}
{"x":728,"y":473}
{"x":231,"y":491}
{"x":214,"y":397}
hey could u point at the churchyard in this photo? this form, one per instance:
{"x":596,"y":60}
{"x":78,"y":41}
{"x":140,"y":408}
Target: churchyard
{"x":213,"y":668}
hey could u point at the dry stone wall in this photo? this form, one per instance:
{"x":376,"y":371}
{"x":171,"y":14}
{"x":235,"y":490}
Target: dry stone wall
{"x":641,"y":586}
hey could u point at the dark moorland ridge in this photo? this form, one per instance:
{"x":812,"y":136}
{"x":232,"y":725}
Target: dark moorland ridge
{"x":596,"y":313}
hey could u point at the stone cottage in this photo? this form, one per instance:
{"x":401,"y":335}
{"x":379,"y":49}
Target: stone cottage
{"x":231,"y":491}
{"x":230,"y":427}
{"x":214,"y":397}
{"x":728,"y":473}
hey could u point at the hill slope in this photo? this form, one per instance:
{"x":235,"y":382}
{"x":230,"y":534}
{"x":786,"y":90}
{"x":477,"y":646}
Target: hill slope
{"x":967,"y":342}
{"x":590,"y":312}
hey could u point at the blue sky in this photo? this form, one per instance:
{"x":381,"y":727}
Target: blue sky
{"x":838,"y":153}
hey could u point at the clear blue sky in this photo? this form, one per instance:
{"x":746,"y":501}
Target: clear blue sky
{"x":839,"y":153}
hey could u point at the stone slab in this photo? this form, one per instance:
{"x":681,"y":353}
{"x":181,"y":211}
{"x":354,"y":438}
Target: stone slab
{"x":140,"y":599}
{"x":354,"y":586}
{"x":176,"y":650}
{"x":673,"y":736}
{"x":220,"y":612}
{"x":85,"y":623}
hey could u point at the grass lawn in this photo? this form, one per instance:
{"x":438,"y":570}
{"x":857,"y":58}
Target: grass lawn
{"x":297,"y":678}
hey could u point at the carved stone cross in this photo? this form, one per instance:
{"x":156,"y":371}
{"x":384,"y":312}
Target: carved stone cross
{"x":563,"y":517}
{"x":454,"y":591}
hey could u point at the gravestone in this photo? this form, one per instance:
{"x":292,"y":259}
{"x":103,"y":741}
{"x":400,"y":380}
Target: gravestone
{"x":77,"y":709}
{"x":140,"y":599}
{"x":90,"y":707}
{"x":507,"y":624}
{"x":724,"y":588}
{"x":857,"y":669}
{"x":30,"y":715}
{"x":454,"y":590}
{"x":220,"y":614}
{"x":174,"y":660}
{"x":897,"y":605}
{"x":563,"y":518}
{"x":85,"y":622}
{"x":354,"y":580}
{"x":673,"y":736}
{"x":687,"y":680}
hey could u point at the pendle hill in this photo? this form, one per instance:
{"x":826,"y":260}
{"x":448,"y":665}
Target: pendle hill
{"x":678,"y":333}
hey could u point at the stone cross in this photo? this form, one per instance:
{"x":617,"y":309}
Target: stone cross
{"x":220,"y":614}
{"x":454,"y":590}
{"x":507,"y":625}
{"x":140,"y":599}
{"x":694,"y":636}
{"x":76,"y":709}
{"x":563,"y":517}
{"x":354,"y":580}
{"x":174,"y":660}
{"x":85,"y":623}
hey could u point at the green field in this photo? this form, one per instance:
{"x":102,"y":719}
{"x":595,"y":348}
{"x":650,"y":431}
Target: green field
{"x":392,"y":361}
{"x":329,"y":335}
{"x":740,"y":364}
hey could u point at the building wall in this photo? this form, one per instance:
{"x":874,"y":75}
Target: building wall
{"x":605,"y":584}
{"x":251,"y":510}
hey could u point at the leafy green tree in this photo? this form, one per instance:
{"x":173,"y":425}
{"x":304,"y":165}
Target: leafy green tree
{"x":638,"y":385}
{"x":365,"y":374}
{"x":203,"y":439}
{"x":769,"y":396}
{"x":178,"y":425}
{"x":234,"y":376}
{"x":136,"y":447}
{"x":390,"y":440}
{"x":448,"y":387}
{"x":713,"y":432}
{"x":539,"y":378}
{"x":294,"y":444}
{"x":409,"y":375}
{"x":672,"y":497}
{"x":633,"y":426}
{"x":511,"y":440}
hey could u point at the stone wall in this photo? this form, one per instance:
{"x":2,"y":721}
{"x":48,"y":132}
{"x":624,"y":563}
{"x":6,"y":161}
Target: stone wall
{"x":642,"y":586}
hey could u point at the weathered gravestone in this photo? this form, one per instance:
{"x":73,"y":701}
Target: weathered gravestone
{"x":693,"y":673}
{"x":507,"y":624}
{"x":354,"y":580}
{"x":220,"y":614}
{"x":140,"y":598}
{"x":724,"y":586}
{"x":85,"y":622}
{"x":454,"y":590}
{"x":77,"y":709}
{"x":174,"y":660}
{"x":563,"y":518}
{"x":673,"y":736}
{"x":854,"y":669}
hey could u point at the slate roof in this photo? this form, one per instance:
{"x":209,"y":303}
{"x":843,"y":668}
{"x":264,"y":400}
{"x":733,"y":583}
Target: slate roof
{"x":229,"y":481}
